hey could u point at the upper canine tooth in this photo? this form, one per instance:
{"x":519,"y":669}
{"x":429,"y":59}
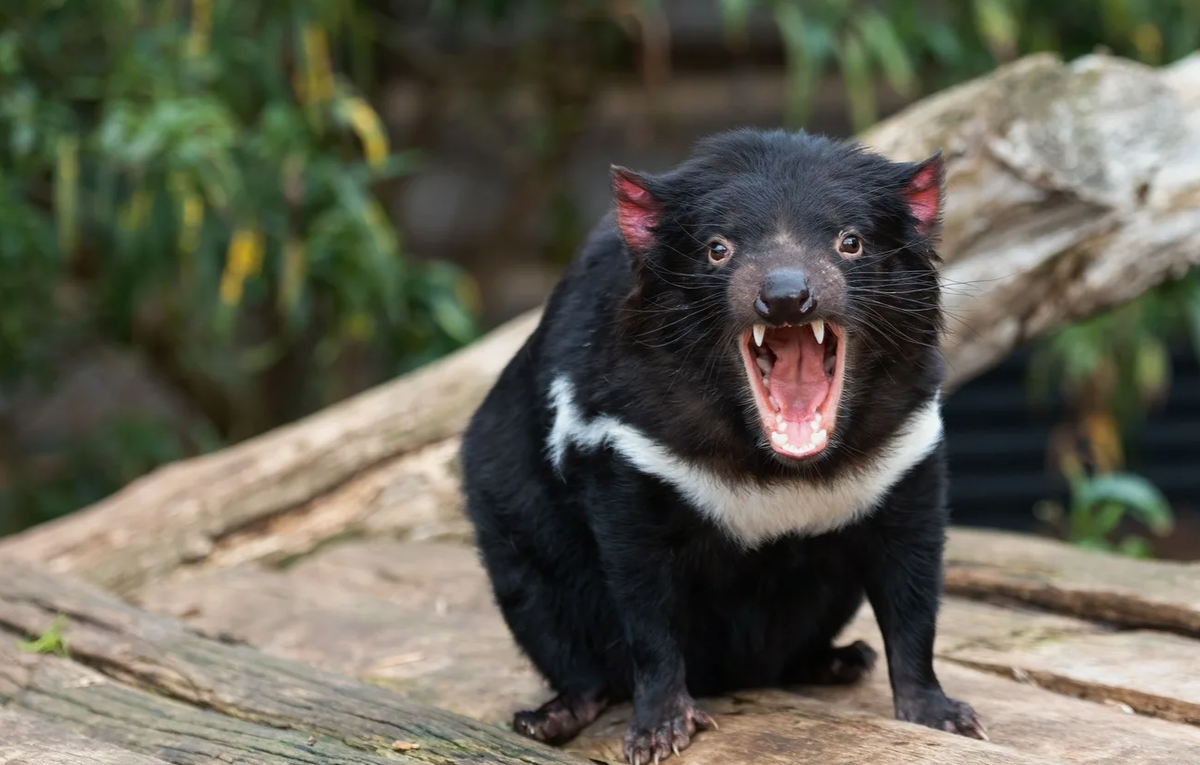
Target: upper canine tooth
{"x":760,"y":331}
{"x":818,"y":328}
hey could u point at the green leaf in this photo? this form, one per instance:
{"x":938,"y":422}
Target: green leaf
{"x":881,"y":40}
{"x":997,"y":24}
{"x":1136,"y":547}
{"x":1105,"y":518}
{"x":943,"y":41}
{"x":734,"y":14}
{"x":453,"y":319}
{"x":856,"y":71}
{"x":802,"y":63}
{"x":1151,"y":368}
{"x":50,"y":641}
{"x":1192,"y":311}
{"x":1137,"y":495}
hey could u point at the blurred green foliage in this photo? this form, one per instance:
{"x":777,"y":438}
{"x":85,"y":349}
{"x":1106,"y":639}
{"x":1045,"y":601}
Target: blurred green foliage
{"x":1112,"y":370}
{"x":1097,"y":506}
{"x":910,"y":43}
{"x":200,"y":180}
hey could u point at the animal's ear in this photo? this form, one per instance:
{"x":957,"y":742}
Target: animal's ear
{"x":638,"y":212}
{"x":923,"y":192}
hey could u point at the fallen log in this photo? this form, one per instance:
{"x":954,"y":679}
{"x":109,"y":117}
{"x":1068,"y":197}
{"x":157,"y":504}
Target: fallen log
{"x":419,"y":618}
{"x":1071,"y":188}
{"x":146,"y":684}
{"x":150,"y":685}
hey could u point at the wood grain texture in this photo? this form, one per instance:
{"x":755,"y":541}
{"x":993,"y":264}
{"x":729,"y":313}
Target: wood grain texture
{"x":1151,"y":672}
{"x":1071,"y":188}
{"x":1071,"y":580}
{"x":147,"y":684}
{"x":418,"y":617}
{"x":158,"y":687}
{"x":29,"y":740}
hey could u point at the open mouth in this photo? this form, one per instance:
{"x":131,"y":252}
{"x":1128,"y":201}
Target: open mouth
{"x":796,"y":375}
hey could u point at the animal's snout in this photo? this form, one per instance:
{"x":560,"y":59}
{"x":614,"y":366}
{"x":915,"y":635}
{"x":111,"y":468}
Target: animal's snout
{"x":785,"y":297}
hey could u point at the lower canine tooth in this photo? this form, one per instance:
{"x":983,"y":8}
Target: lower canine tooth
{"x":779,"y":439}
{"x":763,"y":364}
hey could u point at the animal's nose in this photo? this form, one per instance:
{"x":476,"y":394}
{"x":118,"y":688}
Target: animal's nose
{"x":785,"y":297}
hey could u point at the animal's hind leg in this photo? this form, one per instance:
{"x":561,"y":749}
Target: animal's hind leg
{"x":819,"y":661}
{"x":560,"y":719}
{"x":832,"y":665}
{"x":558,"y":621}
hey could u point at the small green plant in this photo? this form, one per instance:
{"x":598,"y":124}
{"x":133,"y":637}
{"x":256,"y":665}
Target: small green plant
{"x":50,"y":641}
{"x":1099,"y":503}
{"x":1111,"y":370}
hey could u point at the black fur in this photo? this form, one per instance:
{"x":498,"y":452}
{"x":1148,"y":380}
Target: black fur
{"x":611,"y":582}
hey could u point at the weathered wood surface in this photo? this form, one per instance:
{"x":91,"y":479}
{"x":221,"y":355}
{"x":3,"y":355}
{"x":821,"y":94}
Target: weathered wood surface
{"x":418,"y":617}
{"x":146,"y":684}
{"x":1160,"y":594}
{"x":29,"y":740}
{"x":1071,"y":188}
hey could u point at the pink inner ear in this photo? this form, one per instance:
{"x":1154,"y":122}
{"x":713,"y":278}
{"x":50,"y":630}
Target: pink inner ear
{"x":637,"y":212}
{"x":924,"y":194}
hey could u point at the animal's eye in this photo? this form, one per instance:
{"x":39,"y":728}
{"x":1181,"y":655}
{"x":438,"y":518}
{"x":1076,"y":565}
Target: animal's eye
{"x":849,"y":245}
{"x":719,"y":251}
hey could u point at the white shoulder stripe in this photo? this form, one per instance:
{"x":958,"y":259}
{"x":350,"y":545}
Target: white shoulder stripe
{"x":750,"y":513}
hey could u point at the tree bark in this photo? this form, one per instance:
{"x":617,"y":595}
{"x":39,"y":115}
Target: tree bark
{"x":1070,"y":189}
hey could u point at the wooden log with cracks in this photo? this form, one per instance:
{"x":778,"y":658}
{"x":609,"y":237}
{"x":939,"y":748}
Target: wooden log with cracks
{"x":1071,"y":189}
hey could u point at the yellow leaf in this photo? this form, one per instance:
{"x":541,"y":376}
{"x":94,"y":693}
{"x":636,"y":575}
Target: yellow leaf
{"x":201,"y":27}
{"x":319,"y":71}
{"x":66,"y":193}
{"x":192,"y":217}
{"x":133,"y":217}
{"x":358,"y":326}
{"x":294,"y":266}
{"x":243,"y":259}
{"x":1148,"y":40}
{"x":1104,"y":441}
{"x":366,"y":124}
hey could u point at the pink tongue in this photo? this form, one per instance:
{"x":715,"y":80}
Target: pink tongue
{"x":798,"y":382}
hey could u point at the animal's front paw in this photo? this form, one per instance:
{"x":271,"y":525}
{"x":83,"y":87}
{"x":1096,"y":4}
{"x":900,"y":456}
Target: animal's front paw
{"x":935,"y":710}
{"x":654,"y":734}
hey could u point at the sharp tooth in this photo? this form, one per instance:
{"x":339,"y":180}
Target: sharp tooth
{"x":779,"y":438}
{"x":763,"y":364}
{"x":760,"y":331}
{"x":774,"y":403}
{"x":820,"y":436}
{"x":818,"y":328}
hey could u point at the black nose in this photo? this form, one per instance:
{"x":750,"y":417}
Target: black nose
{"x":785,"y":298}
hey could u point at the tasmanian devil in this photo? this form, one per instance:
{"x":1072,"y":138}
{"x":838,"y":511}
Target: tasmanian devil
{"x":723,"y":435}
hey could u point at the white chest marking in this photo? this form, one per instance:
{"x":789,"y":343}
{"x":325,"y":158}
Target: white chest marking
{"x":750,"y":513}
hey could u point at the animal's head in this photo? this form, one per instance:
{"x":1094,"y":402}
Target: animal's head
{"x":789,"y":270}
